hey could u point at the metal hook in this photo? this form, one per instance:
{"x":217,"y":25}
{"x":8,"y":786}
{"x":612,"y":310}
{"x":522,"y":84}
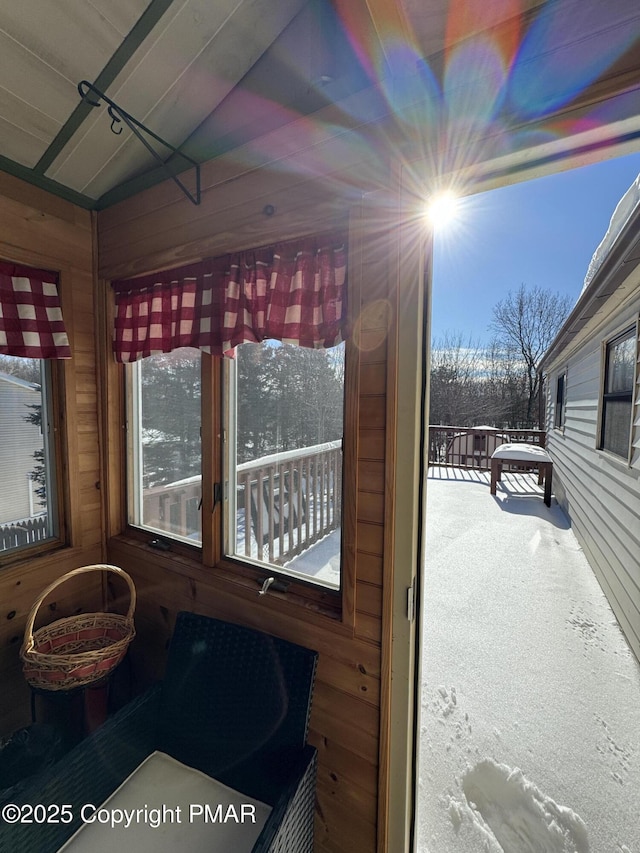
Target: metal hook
{"x":265,"y":586}
{"x":85,"y":95}
{"x":115,"y":119}
{"x":170,"y":165}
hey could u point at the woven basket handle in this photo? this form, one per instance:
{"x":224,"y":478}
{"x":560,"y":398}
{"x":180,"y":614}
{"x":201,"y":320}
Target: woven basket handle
{"x":28,"y":632}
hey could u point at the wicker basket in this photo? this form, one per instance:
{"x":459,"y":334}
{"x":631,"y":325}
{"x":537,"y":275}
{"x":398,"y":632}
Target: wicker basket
{"x":77,"y":650}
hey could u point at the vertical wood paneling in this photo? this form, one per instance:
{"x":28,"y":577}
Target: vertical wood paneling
{"x":345,"y":715}
{"x":43,"y":231}
{"x":345,"y":721}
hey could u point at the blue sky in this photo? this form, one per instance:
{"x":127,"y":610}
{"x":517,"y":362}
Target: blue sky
{"x":539,"y":232}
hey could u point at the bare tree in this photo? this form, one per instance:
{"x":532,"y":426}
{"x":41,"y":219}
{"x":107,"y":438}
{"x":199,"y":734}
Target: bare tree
{"x":505,"y":387}
{"x":524,"y":324}
{"x":22,"y":368}
{"x":456,"y":387}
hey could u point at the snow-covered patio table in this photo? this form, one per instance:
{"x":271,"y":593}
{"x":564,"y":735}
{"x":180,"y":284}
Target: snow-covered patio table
{"x":527,"y":456}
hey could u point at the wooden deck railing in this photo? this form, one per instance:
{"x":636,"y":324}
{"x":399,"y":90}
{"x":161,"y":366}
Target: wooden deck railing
{"x":285,"y":503}
{"x":175,"y":508}
{"x":290,"y":501}
{"x":24,"y":531}
{"x":471,"y":447}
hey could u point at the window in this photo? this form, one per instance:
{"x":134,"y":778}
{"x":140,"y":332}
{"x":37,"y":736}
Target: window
{"x":283,"y":459}
{"x":28,"y":506}
{"x":283,"y":451}
{"x":617,"y":398}
{"x":270,"y":478}
{"x":561,"y":384}
{"x":165,"y":477}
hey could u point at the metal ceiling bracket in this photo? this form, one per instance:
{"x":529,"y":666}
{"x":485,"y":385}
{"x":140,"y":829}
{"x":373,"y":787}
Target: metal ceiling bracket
{"x":118,"y":116}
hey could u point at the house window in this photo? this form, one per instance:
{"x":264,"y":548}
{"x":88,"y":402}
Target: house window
{"x":28,"y":505}
{"x":164,"y":455}
{"x":617,"y":398}
{"x":283,"y":459}
{"x":561,"y":384}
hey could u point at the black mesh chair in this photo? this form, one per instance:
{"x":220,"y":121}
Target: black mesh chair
{"x":234,"y":703}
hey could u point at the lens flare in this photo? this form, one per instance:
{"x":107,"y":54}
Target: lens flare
{"x":443,"y":208}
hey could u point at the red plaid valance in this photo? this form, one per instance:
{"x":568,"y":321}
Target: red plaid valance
{"x":31,"y":324}
{"x":294,"y":292}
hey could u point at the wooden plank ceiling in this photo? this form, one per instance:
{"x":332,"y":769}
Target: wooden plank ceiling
{"x":209,"y":76}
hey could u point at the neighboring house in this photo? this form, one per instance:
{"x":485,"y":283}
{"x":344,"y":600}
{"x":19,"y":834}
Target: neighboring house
{"x":593,"y":415}
{"x":18,"y":441}
{"x":474,"y":448}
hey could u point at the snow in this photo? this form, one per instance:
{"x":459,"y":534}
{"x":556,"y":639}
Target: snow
{"x":621,"y":214}
{"x":521,"y":453}
{"x":531,"y":696}
{"x":519,"y":815}
{"x":321,"y":561}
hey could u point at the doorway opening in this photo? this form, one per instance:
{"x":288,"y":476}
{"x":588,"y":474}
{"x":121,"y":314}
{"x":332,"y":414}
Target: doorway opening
{"x":530,"y":689}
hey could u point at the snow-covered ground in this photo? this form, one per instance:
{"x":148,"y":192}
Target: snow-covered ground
{"x":530,"y":729}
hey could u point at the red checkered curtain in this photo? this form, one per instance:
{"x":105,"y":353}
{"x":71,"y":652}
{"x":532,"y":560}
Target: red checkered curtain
{"x":31,"y":324}
{"x":294,"y":292}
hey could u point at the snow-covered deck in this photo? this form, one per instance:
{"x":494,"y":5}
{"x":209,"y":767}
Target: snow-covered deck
{"x":531,"y":696}
{"x":321,"y":561}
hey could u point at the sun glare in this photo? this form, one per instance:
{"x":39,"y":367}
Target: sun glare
{"x":443,"y":208}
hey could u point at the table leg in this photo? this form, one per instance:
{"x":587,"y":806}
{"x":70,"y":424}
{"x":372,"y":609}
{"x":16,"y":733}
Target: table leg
{"x":496,"y":469}
{"x":548,"y":476}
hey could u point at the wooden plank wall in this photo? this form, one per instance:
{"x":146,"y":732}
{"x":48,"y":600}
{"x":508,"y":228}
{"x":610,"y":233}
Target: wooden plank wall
{"x":157,"y":229}
{"x":43,"y":231}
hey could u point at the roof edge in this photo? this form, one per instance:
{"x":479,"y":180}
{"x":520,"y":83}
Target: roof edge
{"x":614,"y":270}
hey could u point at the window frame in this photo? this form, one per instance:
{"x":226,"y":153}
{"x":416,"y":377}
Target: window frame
{"x":228,"y":467}
{"x":208,"y":559}
{"x":227,"y":576}
{"x":628,"y":332}
{"x":53,"y":388}
{"x":559,"y":412}
{"x":133,"y":499}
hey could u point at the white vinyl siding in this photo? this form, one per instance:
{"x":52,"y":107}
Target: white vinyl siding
{"x":28,"y":506}
{"x":18,"y":440}
{"x":635,"y":431}
{"x":600,"y":492}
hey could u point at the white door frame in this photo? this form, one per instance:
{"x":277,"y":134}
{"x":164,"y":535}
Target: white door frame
{"x":406,"y":548}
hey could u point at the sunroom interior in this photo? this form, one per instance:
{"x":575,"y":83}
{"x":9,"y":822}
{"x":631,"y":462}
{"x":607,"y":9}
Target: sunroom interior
{"x":273,"y":125}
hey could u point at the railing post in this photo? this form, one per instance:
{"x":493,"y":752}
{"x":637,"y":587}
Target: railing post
{"x":304,"y":483}
{"x":281,"y":548}
{"x":259,"y":511}
{"x":316,"y":497}
{"x":298,"y":493}
{"x":272,"y":497}
{"x":322,"y":493}
{"x":247,"y":514}
{"x":307,"y":491}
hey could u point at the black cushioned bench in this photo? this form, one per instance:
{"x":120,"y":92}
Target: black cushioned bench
{"x":234,"y":704}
